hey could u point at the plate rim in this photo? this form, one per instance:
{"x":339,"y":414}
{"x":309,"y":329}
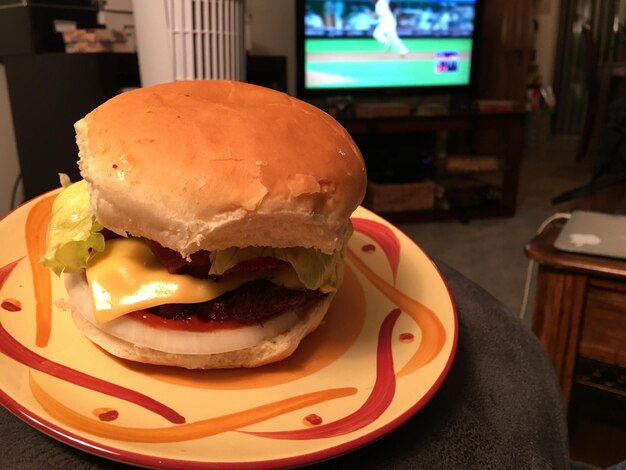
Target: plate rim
{"x":93,"y":447}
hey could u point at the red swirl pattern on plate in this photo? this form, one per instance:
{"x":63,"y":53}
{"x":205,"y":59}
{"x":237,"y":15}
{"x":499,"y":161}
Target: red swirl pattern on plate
{"x":385,"y":237}
{"x":20,"y":353}
{"x":11,"y":305}
{"x":377,"y":402}
{"x":433,"y":332}
{"x":5,"y":271}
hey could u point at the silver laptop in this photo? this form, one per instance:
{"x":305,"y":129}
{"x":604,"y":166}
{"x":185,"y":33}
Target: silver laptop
{"x":594,"y":233}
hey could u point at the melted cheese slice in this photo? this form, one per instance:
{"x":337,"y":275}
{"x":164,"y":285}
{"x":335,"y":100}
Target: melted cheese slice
{"x":126,"y":276}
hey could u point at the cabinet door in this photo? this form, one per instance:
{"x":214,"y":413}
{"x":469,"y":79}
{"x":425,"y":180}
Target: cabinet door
{"x":506,"y":49}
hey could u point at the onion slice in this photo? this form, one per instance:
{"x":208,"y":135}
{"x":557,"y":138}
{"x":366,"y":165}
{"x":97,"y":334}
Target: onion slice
{"x":177,"y":341}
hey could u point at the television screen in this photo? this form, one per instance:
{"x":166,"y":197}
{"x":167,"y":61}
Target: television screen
{"x":354,"y":45}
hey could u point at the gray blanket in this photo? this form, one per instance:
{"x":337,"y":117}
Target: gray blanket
{"x":499,"y":407}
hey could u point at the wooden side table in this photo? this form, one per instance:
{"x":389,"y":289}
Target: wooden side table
{"x":580,"y":306}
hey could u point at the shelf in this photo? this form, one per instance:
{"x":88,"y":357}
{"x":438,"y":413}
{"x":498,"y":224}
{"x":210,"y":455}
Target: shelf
{"x":403,"y":125}
{"x":400,"y":143}
{"x":438,"y":215}
{"x":408,"y":124}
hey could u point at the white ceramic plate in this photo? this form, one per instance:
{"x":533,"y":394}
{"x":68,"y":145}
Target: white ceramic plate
{"x":383,"y":350}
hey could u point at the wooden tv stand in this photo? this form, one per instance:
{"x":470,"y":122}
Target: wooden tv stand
{"x":499,"y":134}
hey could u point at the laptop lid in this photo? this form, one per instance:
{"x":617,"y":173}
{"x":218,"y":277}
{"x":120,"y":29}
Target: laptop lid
{"x":594,"y":233}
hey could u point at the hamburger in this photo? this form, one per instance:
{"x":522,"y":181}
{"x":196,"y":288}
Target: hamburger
{"x":210,"y":225}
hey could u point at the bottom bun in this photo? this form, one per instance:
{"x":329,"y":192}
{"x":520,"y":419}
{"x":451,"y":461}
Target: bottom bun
{"x":271,"y":350}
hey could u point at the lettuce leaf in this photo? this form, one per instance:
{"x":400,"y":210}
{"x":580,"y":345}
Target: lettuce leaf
{"x":73,"y":233}
{"x":314,"y":268}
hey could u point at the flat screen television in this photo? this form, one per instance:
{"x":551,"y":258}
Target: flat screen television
{"x":361,"y":47}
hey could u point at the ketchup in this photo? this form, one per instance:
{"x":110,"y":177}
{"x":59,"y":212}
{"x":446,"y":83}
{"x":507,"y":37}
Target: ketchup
{"x":192,"y":323}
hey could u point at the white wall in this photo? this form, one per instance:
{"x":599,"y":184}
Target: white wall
{"x":273,"y":32}
{"x":9,"y":163}
{"x":545,"y":42}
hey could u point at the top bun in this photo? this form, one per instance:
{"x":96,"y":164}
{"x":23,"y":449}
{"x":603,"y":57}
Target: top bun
{"x":215,"y":164}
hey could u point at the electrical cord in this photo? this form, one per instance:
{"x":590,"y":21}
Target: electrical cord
{"x":16,"y":185}
{"x":531,"y":263}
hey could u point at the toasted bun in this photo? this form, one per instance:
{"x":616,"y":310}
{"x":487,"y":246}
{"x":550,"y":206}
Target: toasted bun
{"x":270,"y":350}
{"x":273,"y":350}
{"x":215,"y":164}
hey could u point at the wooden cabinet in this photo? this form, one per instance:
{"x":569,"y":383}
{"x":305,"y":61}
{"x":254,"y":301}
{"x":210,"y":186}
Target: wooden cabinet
{"x":580,"y":308}
{"x":506,"y":49}
{"x":603,"y":335}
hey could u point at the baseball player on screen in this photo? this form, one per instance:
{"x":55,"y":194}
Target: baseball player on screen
{"x":385,"y":32}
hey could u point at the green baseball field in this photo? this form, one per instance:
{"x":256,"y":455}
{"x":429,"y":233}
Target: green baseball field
{"x":364,"y":63}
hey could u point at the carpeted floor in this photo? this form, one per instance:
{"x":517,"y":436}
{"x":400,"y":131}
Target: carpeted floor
{"x":491,"y":251}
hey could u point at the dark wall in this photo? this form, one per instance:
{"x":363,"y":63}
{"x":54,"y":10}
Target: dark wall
{"x":49,"y":92}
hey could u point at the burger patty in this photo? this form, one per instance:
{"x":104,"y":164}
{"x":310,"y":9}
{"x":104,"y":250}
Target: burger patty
{"x":250,"y":303}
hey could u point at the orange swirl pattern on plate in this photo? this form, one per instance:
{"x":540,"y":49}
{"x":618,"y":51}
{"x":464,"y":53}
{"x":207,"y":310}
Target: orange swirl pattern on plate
{"x":195,"y":430}
{"x":35,"y":232}
{"x":433,"y":332}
